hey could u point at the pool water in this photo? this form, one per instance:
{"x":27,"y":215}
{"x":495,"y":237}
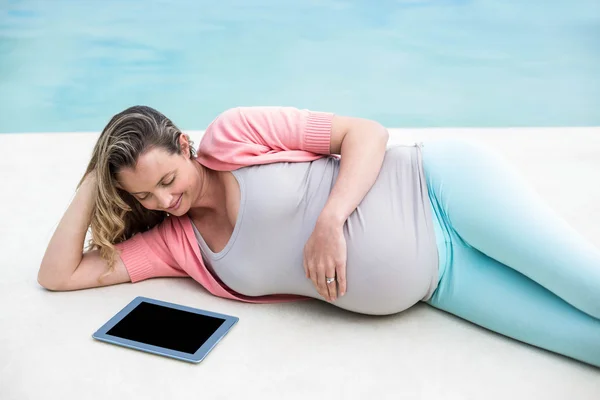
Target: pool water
{"x":69,"y":65}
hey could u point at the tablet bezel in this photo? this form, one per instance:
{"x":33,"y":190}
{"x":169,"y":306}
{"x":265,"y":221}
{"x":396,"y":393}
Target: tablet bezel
{"x":198,"y":356}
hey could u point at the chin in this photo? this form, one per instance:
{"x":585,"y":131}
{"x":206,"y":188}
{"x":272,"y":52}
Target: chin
{"x":180,"y":213}
{"x":182,"y":210}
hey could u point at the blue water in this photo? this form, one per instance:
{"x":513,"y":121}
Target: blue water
{"x":68,"y":65}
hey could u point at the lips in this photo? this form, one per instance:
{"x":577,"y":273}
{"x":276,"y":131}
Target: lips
{"x":177,"y":203}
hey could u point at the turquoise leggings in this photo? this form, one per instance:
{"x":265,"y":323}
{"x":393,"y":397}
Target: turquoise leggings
{"x":508,"y":262}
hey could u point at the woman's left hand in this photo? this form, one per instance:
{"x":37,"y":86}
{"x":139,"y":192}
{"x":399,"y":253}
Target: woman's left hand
{"x":325,"y":257}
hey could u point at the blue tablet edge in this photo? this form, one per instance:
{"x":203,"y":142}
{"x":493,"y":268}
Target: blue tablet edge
{"x":197,"y":357}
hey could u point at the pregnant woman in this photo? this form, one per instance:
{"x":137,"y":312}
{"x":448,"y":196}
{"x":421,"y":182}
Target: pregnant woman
{"x":282,"y":204}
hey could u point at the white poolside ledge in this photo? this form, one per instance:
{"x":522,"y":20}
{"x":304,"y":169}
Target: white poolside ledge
{"x":305,"y":350}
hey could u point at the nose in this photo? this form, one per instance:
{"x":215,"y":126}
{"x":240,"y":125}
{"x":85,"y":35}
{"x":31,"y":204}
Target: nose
{"x":166,"y":200}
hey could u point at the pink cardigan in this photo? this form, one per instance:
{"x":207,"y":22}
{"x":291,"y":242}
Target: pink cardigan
{"x":238,"y":137}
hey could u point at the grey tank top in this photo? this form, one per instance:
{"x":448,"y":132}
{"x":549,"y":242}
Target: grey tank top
{"x":392,"y":260}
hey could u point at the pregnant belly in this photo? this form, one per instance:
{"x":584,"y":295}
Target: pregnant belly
{"x":385,"y":275}
{"x":376,"y":285}
{"x":391,"y":251}
{"x":392,"y":255}
{"x":385,"y":283}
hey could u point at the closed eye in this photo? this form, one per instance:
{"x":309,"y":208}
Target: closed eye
{"x":164,"y":184}
{"x":170,"y":182}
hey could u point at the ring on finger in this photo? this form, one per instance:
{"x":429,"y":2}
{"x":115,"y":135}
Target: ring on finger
{"x":330,"y":280}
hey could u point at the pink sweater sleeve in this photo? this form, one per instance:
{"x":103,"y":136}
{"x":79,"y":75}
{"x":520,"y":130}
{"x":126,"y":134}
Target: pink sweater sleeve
{"x":255,"y":135}
{"x":147,"y":255}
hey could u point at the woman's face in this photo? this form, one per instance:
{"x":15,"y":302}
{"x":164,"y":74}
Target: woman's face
{"x":163,"y":181}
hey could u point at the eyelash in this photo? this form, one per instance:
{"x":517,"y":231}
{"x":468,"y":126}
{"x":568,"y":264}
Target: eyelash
{"x":164,"y":184}
{"x":167,"y":184}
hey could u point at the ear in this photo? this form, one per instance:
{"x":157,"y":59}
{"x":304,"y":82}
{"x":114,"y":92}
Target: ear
{"x":184,"y":145}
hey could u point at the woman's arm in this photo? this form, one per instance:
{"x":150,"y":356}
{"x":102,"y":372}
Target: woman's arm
{"x":362,"y":145}
{"x":64,"y":266}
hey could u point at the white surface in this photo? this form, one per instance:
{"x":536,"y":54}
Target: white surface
{"x":306,"y":350}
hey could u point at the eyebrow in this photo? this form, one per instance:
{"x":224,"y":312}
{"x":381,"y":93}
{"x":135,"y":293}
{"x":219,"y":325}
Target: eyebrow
{"x":159,"y":182}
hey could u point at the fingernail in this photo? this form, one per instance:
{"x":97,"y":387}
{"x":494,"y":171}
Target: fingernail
{"x":343,"y":293}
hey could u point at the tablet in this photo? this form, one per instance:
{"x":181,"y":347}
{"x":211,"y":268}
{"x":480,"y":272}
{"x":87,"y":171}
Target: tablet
{"x":166,"y":329}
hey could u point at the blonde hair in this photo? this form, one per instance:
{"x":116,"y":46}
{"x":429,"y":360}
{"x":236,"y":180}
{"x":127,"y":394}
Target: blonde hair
{"x":117,"y":215}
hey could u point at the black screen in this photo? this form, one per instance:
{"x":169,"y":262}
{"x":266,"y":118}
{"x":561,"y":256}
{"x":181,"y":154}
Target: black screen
{"x":166,"y":327}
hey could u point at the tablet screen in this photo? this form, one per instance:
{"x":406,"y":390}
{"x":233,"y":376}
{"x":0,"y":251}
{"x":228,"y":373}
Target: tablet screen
{"x":166,"y":327}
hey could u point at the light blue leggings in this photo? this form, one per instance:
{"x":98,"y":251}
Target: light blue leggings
{"x":508,"y":262}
